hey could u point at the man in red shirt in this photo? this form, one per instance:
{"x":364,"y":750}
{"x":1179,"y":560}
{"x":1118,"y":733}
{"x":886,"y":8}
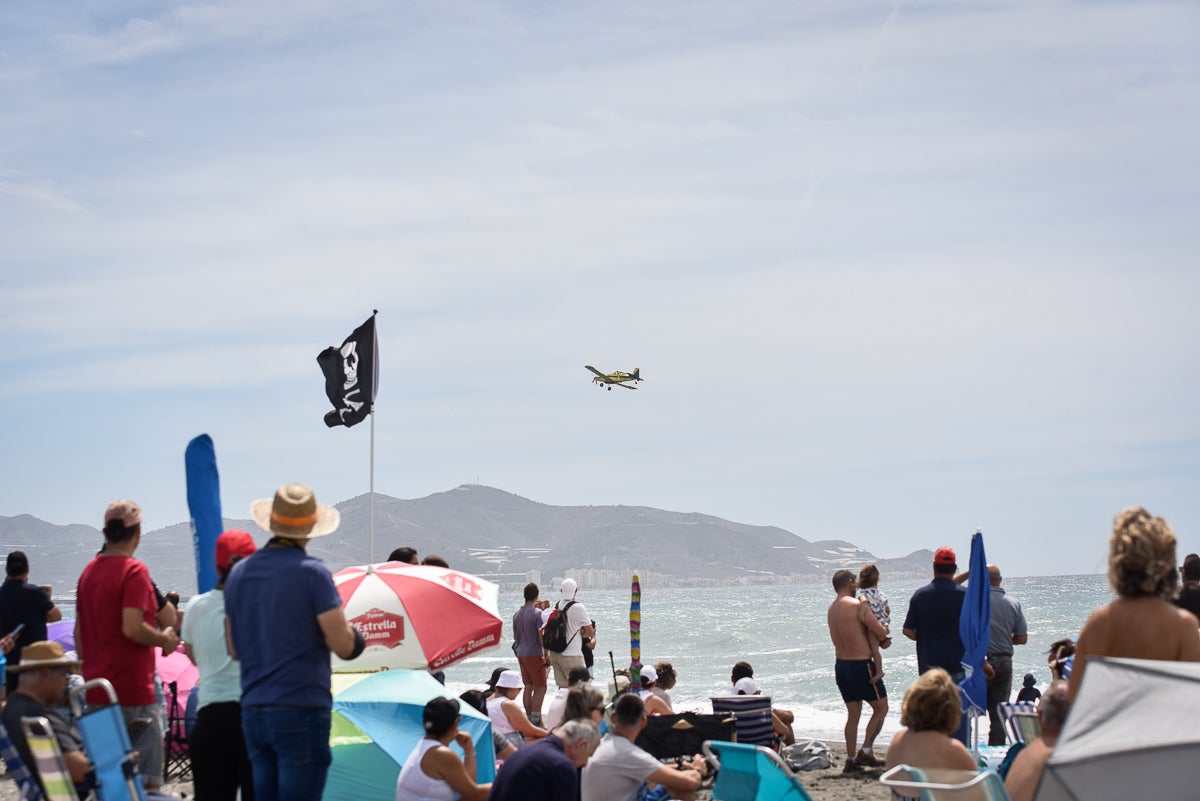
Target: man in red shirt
{"x":115,"y":631}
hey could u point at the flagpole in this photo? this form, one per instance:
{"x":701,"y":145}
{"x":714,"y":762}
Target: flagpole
{"x":374,"y":389}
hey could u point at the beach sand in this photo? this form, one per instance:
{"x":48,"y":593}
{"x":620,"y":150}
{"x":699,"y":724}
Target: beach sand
{"x":833,"y":785}
{"x":823,"y":785}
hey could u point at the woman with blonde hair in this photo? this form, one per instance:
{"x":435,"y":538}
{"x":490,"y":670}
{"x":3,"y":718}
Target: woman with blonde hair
{"x":1141,"y":623}
{"x":932,"y":712}
{"x":584,"y":702}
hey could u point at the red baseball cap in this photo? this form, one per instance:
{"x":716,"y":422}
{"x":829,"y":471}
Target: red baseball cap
{"x":945,"y":556}
{"x":234,"y":542}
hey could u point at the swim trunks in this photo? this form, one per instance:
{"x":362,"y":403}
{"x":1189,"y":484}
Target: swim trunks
{"x":854,"y":680}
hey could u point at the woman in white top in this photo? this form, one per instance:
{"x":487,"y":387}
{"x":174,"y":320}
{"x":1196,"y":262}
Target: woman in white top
{"x":554,"y":715}
{"x":653,"y":702}
{"x":666,"y":680}
{"x":507,"y":716}
{"x":435,"y":773}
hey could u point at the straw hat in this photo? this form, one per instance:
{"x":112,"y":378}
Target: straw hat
{"x":46,"y":653}
{"x":294,"y":513}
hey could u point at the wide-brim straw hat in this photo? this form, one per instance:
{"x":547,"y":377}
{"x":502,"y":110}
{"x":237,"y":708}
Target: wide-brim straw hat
{"x":294,"y":513}
{"x":46,"y":653}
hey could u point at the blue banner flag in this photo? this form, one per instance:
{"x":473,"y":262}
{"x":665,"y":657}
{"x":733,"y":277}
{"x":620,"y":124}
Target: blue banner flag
{"x":204,"y":505}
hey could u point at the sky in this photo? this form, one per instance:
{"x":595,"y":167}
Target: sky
{"x":892,"y":271}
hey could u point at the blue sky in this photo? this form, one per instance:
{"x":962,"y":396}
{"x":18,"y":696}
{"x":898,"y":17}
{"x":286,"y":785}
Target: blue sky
{"x":891,"y":271}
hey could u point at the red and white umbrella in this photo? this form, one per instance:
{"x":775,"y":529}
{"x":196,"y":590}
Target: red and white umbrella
{"x":417,"y":616}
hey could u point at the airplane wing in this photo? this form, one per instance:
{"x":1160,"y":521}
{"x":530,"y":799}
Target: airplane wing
{"x":594,"y":370}
{"x":625,"y":386}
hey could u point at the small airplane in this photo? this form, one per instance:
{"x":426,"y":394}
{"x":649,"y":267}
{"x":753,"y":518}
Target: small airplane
{"x":618,"y":378}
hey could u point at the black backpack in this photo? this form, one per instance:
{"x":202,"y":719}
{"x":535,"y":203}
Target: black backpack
{"x":554,"y":635}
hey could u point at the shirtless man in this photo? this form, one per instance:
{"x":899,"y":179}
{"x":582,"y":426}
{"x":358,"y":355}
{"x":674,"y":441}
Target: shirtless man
{"x":1140,"y":623}
{"x":849,"y":622}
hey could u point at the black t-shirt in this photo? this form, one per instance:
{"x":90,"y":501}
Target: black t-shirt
{"x":22,"y":602}
{"x":1189,"y":599}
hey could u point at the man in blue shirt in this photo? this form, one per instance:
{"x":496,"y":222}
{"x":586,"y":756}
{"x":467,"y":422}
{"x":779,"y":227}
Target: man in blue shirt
{"x":548,"y":770}
{"x":932,"y":619}
{"x":285,"y":617}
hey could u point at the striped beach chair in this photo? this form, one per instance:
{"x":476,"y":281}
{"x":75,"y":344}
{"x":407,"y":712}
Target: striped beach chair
{"x":27,"y":786}
{"x":48,"y":760}
{"x":1016,"y":716}
{"x":755,"y":725}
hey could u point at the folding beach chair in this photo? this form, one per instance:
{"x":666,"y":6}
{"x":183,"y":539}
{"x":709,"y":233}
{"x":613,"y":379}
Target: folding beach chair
{"x":1021,"y":720}
{"x":48,"y":760}
{"x":683,"y":735}
{"x":755,"y":725}
{"x":930,"y":784}
{"x":751,"y":773}
{"x":106,"y":740}
{"x":177,"y":746}
{"x":27,"y":786}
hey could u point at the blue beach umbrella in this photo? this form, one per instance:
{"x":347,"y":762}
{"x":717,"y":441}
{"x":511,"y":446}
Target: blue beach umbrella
{"x":974,"y":627}
{"x":386,"y":707}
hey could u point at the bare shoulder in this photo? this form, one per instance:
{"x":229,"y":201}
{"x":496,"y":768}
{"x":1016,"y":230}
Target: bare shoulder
{"x":897,"y":751}
{"x":962,"y":756}
{"x":1095,"y":626}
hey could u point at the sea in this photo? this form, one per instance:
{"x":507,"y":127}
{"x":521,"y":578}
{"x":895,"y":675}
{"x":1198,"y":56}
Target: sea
{"x":781,"y":631}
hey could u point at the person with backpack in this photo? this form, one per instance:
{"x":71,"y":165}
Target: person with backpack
{"x":563,"y":634}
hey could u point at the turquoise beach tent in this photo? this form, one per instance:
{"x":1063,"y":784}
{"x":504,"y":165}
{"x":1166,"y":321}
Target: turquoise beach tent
{"x":975,"y":628}
{"x":377,"y":723}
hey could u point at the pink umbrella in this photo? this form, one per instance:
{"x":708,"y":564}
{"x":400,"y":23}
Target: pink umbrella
{"x":417,"y":616}
{"x":176,"y":667}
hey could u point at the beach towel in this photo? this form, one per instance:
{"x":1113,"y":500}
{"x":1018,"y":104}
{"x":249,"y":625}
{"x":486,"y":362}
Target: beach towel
{"x":812,"y":755}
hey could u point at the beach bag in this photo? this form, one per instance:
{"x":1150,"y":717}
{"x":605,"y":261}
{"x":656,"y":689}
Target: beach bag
{"x":813,"y":755}
{"x":682,"y":734}
{"x":554,"y":635}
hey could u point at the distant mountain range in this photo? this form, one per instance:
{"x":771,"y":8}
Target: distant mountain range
{"x":493,"y":533}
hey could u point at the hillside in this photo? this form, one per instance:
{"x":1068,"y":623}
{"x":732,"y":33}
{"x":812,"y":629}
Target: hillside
{"x":497,"y":534}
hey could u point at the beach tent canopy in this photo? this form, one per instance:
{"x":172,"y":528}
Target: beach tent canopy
{"x":377,"y":723}
{"x":1131,"y":733}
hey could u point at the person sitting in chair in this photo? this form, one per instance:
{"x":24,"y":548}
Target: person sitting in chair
{"x":1026,"y":771}
{"x":654,"y":703}
{"x":42,"y":685}
{"x":781,"y":719}
{"x":931,"y":710}
{"x":620,"y":770}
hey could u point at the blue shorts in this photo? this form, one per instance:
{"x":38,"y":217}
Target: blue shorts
{"x":854,"y":680}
